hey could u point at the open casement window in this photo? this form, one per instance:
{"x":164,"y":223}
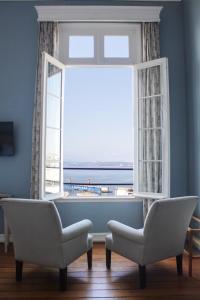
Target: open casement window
{"x":51,"y":183}
{"x":152,"y":161}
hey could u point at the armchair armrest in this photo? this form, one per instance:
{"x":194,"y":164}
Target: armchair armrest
{"x":132,"y":234}
{"x":75,"y":230}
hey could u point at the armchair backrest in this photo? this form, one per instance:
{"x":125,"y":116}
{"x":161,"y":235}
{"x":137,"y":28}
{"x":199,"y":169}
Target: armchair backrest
{"x":165,"y":227}
{"x":36,"y":229}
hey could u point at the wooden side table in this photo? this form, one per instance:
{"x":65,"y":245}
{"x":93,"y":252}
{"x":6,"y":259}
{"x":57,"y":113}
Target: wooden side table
{"x":6,"y":228}
{"x":189,"y":247}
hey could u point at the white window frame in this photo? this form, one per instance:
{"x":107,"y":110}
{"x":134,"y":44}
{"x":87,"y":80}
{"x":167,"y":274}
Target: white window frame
{"x":98,"y":31}
{"x":164,"y":81}
{"x":46,"y":59}
{"x":118,"y":15}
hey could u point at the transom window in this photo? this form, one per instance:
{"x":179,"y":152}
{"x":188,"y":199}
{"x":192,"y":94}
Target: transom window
{"x":100,"y":43}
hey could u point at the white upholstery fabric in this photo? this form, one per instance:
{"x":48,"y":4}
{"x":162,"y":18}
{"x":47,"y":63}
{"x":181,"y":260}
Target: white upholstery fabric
{"x":163,"y":235}
{"x":38,"y":235}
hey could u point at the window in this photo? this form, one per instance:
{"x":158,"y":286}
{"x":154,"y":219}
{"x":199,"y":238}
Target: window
{"x":152,"y":128}
{"x":52,"y":137}
{"x":114,"y":46}
{"x":81,"y":46}
{"x":100,"y":43}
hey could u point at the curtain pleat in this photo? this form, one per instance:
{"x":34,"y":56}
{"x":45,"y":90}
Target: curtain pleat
{"x":150,"y":178}
{"x":48,"y":42}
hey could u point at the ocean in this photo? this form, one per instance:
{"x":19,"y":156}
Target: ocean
{"x":112,"y":179}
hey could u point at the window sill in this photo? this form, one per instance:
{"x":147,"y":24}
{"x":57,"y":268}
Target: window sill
{"x":110,"y":199}
{"x":98,"y":199}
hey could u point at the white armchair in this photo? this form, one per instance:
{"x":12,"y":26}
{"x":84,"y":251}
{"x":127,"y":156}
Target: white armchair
{"x":163,"y":235}
{"x":39,"y":238}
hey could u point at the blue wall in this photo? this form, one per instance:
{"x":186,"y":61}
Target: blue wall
{"x":192,"y":54}
{"x":18,"y":46}
{"x":100,"y":214}
{"x":172,"y":46}
{"x":18,"y":53}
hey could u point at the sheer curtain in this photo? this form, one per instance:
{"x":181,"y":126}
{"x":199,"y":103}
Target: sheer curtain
{"x":151,"y":171}
{"x":48,"y":42}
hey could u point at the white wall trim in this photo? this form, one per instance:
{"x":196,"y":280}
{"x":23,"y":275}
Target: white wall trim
{"x":99,"y":13}
{"x":2,"y":238}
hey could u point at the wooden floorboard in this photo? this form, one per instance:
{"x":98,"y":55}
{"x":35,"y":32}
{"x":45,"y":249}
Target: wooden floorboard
{"x":119,"y":283}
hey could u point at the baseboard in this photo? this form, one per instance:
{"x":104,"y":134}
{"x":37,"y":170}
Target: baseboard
{"x":97,"y":237}
{"x":2,"y":238}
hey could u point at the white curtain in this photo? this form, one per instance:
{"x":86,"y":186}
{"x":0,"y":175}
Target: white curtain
{"x":48,"y":42}
{"x":150,"y":170}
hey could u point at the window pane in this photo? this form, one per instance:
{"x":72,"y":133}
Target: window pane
{"x":116,"y":46}
{"x":54,"y":80}
{"x":150,"y":177}
{"x":150,"y":112}
{"x":150,"y":141}
{"x":52,"y":147}
{"x":53,"y":112}
{"x":149,"y":82}
{"x":81,"y":46}
{"x":52,"y":180}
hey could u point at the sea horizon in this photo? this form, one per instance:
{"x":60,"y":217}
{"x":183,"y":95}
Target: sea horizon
{"x":97,"y":164}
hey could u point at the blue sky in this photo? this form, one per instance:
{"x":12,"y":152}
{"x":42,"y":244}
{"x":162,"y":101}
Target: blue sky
{"x":98,"y":114}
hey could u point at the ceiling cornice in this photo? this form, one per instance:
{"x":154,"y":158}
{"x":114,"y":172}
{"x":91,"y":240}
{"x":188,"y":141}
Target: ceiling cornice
{"x":97,"y":13}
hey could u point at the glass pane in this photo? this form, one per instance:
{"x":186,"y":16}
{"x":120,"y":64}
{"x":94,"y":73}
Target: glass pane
{"x":53,"y":111}
{"x":54,"y":83}
{"x":149,"y":82}
{"x":150,"y":112}
{"x":52,"y":147}
{"x":81,"y":46}
{"x":150,"y":144}
{"x":52,"y":179}
{"x":116,"y":46}
{"x":150,"y":177}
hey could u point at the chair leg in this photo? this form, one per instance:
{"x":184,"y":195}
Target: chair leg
{"x":89,"y":259}
{"x":179,"y":264}
{"x":108,"y":258}
{"x":63,"y":279}
{"x":142,"y":276}
{"x":190,"y":265}
{"x":190,"y":238}
{"x":19,"y":270}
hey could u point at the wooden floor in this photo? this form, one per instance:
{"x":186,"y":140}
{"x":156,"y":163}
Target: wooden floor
{"x":119,"y":283}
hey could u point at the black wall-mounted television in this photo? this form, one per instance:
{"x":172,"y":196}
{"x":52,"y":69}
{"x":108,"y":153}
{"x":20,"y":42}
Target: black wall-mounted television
{"x":6,"y":138}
